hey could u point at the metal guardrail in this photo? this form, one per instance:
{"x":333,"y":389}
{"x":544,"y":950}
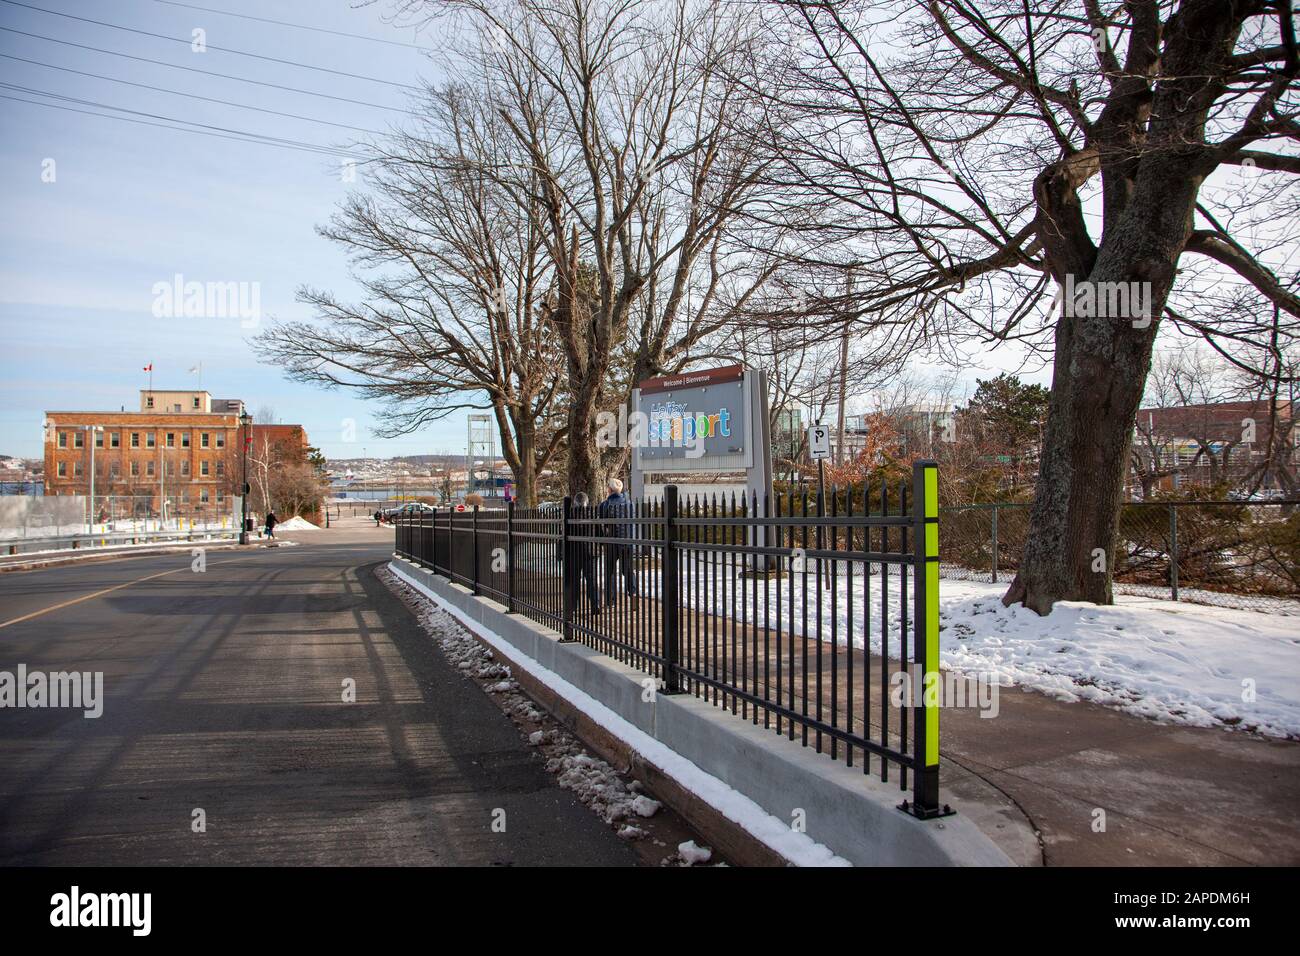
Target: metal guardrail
{"x":728,"y":600}
{"x":75,"y":542}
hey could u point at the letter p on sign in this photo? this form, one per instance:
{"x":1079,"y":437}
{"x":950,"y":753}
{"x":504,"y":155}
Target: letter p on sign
{"x":819,"y":442}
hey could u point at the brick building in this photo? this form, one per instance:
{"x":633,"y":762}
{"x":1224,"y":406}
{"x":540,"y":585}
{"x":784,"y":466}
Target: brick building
{"x":1223,"y":442}
{"x":181,"y":447}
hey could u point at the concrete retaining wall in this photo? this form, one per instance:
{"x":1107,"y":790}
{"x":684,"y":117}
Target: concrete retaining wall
{"x":854,"y":815}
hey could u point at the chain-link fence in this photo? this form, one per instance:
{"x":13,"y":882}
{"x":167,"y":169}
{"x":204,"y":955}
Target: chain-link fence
{"x":1228,"y":553}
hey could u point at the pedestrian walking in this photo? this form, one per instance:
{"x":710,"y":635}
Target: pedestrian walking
{"x":618,"y":557}
{"x":585,"y":557}
{"x":271,"y":522}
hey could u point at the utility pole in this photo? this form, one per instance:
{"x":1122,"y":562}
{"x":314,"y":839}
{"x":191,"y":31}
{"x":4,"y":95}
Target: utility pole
{"x":91,"y":431}
{"x":844,"y":375}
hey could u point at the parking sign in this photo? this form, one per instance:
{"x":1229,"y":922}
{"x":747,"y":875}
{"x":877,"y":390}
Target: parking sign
{"x":819,"y":442}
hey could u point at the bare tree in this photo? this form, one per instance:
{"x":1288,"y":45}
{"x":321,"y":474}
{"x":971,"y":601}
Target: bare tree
{"x":640,"y":156}
{"x":965,"y":158}
{"x":454,"y":276}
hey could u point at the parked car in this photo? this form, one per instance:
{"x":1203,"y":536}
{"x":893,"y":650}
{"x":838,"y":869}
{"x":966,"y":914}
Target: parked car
{"x":409,"y":510}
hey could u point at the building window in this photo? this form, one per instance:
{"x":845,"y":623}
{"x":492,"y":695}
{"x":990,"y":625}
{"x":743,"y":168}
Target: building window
{"x":171,"y":439}
{"x":63,"y":469}
{"x":63,"y":439}
{"x":148,"y":401}
{"x":99,"y":439}
{"x":149,"y":440}
{"x":203,"y":496}
{"x":135,"y":468}
{"x":196,"y":401}
{"x":113,"y":470}
{"x":221,"y":439}
{"x":185,"y":468}
{"x":185,"y":439}
{"x":148,"y":468}
{"x":203,"y":440}
{"x":78,"y":439}
{"x":221,"y":468}
{"x":76,"y":468}
{"x":115,"y":440}
{"x":203,"y":467}
{"x":135,"y":439}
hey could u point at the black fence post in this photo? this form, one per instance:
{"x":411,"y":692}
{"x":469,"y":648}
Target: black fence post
{"x":432,"y":549}
{"x":925,"y":643}
{"x":668,"y":563}
{"x":474,"y":547}
{"x":510,"y":556}
{"x":451,"y":544}
{"x":995,"y":544}
{"x":1173,"y":551}
{"x":566,"y":573}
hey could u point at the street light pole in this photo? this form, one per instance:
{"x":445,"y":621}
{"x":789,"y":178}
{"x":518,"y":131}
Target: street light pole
{"x":245,"y":420}
{"x":91,"y":431}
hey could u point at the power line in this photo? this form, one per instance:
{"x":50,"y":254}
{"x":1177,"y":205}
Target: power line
{"x":222,"y":49}
{"x":196,"y":96}
{"x":297,"y":26}
{"x":224,"y":76}
{"x":172,"y":119}
{"x":241,"y":138}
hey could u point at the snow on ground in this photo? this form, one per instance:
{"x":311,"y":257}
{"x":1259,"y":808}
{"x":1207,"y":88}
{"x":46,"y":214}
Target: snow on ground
{"x":1170,"y":661}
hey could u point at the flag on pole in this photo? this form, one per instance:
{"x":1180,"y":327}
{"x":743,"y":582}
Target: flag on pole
{"x":194,"y":368}
{"x":149,"y":367}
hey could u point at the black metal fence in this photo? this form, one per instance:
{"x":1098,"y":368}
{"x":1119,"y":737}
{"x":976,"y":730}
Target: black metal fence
{"x":807,"y":615}
{"x":1231,"y":553}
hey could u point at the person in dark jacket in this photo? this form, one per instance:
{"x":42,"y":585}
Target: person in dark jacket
{"x":378,"y":517}
{"x":584,"y":555}
{"x":271,"y":522}
{"x":618,"y":557}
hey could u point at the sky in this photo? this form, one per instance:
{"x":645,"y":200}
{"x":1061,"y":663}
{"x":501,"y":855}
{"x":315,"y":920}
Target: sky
{"x":99,"y":208}
{"x":134,"y":205}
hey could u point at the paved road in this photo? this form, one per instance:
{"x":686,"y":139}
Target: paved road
{"x":223,"y":691}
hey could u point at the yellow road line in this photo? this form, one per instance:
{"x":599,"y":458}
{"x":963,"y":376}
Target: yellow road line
{"x":87,"y":597}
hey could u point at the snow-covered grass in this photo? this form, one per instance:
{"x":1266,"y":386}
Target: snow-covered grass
{"x":1170,"y":661}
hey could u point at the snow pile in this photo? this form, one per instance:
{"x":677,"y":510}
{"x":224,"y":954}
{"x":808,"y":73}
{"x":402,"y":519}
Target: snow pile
{"x":296,"y":523}
{"x":692,"y":854}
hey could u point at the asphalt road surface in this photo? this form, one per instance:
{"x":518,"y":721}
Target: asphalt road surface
{"x":223,"y":693}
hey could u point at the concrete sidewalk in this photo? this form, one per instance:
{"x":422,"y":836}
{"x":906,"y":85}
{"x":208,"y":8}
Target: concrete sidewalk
{"x":1172,"y":796}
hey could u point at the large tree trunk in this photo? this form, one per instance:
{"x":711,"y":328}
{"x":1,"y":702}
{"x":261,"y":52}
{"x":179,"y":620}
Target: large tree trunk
{"x":584,"y":457}
{"x":1099,"y":373}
